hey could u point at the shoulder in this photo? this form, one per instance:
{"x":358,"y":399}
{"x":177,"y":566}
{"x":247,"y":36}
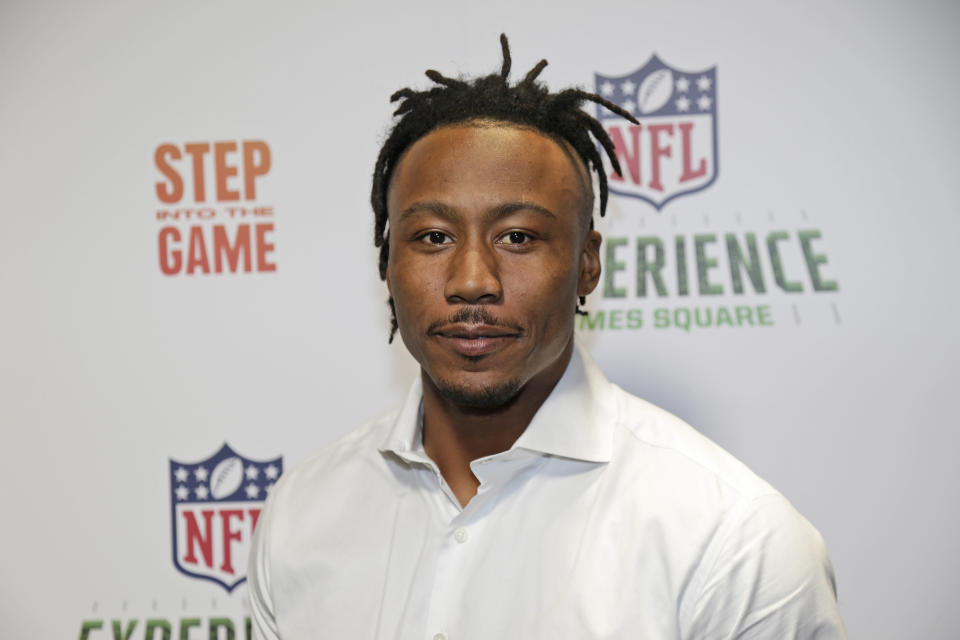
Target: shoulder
{"x":680,"y":449}
{"x":763,"y":569}
{"x":304,"y":502}
{"x":767,"y":574}
{"x":338,"y":465}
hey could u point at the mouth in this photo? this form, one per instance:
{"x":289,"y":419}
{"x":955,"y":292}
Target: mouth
{"x":475,"y":340}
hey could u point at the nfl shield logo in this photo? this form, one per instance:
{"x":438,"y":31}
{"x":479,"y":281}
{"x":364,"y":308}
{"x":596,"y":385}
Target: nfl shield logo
{"x":215,"y":505}
{"x":673,"y":151}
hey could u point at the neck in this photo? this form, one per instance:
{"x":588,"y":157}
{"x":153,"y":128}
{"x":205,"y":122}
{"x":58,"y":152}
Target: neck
{"x":454,"y":436}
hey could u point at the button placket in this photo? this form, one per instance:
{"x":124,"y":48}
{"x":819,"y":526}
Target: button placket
{"x":446,"y":590}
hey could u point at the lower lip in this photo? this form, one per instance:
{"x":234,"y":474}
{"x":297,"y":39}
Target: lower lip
{"x":476,"y":346}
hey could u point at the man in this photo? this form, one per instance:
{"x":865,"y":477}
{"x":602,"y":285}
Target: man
{"x":517,"y":493}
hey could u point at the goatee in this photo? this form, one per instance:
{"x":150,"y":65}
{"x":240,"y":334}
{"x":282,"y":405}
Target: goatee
{"x":485,"y":398}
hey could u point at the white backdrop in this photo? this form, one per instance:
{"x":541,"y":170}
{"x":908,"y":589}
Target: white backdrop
{"x":834,"y":117}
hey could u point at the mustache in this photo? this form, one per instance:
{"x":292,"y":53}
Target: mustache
{"x":474,"y":315}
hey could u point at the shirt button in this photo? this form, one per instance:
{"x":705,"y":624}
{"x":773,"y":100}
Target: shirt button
{"x":460,"y":535}
{"x":439,"y":636}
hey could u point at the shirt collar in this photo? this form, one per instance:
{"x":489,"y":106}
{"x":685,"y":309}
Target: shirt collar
{"x":575,"y":421}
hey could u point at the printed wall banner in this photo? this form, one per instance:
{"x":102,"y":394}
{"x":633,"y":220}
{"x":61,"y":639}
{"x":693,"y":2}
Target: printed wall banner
{"x":186,"y":260}
{"x":215,"y":504}
{"x":673,"y":151}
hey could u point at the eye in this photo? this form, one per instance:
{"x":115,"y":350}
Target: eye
{"x":435,"y":237}
{"x":515,"y":237}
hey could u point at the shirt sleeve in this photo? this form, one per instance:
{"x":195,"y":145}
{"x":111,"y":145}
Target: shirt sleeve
{"x":262,"y":616}
{"x":769,"y":576}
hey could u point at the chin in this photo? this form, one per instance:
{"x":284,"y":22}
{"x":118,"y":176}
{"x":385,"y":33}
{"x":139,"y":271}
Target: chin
{"x":491,"y":396}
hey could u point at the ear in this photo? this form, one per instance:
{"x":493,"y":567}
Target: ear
{"x":589,"y":263}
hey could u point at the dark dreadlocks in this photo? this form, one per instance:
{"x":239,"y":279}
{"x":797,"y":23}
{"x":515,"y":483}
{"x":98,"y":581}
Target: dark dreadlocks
{"x":527,"y":103}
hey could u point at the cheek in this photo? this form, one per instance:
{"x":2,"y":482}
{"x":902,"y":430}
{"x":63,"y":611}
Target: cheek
{"x":545,"y":293}
{"x":413,"y":289}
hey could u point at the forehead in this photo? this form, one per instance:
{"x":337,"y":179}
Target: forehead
{"x":484,"y":163}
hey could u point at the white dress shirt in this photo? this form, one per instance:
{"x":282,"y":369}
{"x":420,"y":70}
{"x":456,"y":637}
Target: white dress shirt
{"x":608,"y":518}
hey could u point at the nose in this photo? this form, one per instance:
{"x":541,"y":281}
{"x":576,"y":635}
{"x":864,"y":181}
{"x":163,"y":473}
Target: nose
{"x":473,"y":276}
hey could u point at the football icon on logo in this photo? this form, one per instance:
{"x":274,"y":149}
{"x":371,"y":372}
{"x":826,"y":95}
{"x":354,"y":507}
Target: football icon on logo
{"x":655,"y":91}
{"x":226,"y":478}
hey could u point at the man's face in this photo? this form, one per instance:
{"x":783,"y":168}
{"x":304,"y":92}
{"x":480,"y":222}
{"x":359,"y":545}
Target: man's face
{"x":489,"y":248}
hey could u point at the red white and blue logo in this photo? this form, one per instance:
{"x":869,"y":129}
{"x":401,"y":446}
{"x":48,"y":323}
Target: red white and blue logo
{"x":215,"y":504}
{"x":673,"y":151}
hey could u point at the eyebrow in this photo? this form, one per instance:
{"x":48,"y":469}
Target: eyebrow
{"x":451,"y":213}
